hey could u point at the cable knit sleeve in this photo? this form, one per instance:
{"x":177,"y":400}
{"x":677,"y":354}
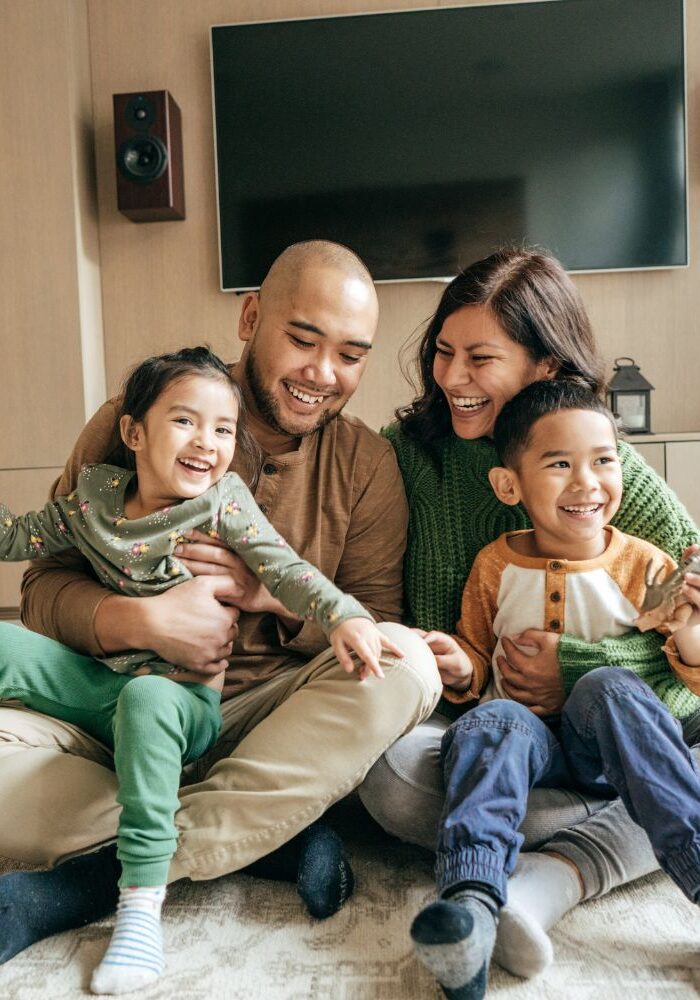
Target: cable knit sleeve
{"x":652,"y":511}
{"x":405,"y":455}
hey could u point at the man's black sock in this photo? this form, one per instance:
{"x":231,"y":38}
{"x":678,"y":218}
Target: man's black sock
{"x":34,"y":905}
{"x":324,"y":878}
{"x":315,"y":859}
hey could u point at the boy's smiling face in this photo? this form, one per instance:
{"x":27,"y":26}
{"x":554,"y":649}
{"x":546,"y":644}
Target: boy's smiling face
{"x":569,"y":479}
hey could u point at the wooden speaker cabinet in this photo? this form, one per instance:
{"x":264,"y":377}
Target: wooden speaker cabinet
{"x":148,"y":141}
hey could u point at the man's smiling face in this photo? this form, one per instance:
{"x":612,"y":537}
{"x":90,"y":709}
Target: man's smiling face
{"x":307,"y":346}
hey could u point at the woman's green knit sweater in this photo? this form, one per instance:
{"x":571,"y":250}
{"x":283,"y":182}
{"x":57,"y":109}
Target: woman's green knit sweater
{"x":454,"y":513}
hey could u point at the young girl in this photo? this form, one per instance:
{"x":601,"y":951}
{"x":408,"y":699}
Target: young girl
{"x":179,"y":421}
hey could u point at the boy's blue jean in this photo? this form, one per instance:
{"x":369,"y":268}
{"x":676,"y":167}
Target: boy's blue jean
{"x":614,"y":737}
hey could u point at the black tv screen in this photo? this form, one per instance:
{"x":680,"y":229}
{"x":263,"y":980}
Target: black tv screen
{"x":425,"y":139}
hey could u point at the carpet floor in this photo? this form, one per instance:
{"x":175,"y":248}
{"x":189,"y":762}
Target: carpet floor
{"x":239,"y":938}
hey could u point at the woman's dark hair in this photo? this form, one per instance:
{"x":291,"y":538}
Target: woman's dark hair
{"x":148,"y":380}
{"x":514,"y":423}
{"x":536,"y":304}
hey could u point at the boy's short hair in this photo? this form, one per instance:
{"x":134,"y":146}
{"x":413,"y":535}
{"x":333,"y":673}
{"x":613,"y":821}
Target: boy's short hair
{"x":514,"y":423}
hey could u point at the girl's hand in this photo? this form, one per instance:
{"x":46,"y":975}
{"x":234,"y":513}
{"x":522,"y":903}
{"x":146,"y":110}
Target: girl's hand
{"x":454,"y":666}
{"x":362,"y":637}
{"x":691,"y":581}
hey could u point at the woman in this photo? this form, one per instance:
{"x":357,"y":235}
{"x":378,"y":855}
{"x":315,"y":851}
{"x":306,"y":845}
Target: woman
{"x":505,"y":322}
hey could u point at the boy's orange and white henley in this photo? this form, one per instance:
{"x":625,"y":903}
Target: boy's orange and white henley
{"x":507,"y":593}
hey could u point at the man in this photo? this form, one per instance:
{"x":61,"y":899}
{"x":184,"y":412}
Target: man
{"x":299,"y":732}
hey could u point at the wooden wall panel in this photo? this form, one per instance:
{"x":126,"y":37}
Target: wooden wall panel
{"x":160,"y":281}
{"x":40,"y":329}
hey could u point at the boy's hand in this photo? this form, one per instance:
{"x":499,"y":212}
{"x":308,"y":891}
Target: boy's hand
{"x":362,"y":637}
{"x":691,"y":581}
{"x":454,"y":666}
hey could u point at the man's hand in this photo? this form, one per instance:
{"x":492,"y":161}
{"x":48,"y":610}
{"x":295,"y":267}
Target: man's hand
{"x":535,"y":681}
{"x":362,"y":637}
{"x":186,"y":625}
{"x":454,"y":666}
{"x":209,"y":557}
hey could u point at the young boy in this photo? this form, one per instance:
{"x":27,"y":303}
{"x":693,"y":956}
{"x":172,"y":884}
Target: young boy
{"x":574,"y":573}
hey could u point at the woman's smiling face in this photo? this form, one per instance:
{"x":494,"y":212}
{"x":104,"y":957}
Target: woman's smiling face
{"x":479,"y":368}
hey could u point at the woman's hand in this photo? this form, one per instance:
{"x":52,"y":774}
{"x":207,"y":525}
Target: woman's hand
{"x":208,"y":556}
{"x":454,"y":666}
{"x":691,"y":581}
{"x":535,"y":681}
{"x":362,"y":637}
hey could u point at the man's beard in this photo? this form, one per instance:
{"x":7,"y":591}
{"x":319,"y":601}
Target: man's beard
{"x":269,"y":409}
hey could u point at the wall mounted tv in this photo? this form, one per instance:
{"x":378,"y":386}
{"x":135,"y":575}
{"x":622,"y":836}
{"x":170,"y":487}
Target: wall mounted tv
{"x":423,"y":139}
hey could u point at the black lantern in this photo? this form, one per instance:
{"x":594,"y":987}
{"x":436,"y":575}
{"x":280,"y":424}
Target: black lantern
{"x":629,"y":397}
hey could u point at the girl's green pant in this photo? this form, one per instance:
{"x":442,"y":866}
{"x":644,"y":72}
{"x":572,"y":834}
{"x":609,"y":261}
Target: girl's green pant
{"x":153,"y":725}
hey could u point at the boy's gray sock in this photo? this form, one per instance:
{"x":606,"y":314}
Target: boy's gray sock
{"x":454,"y":938}
{"x":540,"y":891}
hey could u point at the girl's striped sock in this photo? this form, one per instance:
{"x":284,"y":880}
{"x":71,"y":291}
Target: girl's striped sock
{"x":134,"y":958}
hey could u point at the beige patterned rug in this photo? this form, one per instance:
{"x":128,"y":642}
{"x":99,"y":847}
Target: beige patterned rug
{"x":243,"y":939}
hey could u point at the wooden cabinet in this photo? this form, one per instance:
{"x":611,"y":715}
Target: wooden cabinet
{"x":683,"y":473}
{"x":676,"y":458}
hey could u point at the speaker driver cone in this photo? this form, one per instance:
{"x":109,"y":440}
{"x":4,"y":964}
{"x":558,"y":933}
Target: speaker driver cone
{"x":143,"y":159}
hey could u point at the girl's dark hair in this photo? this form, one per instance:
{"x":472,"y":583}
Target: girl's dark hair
{"x":148,"y":380}
{"x":536,"y":304}
{"x":514,"y":423}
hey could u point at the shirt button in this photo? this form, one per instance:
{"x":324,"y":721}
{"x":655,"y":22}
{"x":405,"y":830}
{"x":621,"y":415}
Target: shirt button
{"x":556,"y":596}
{"x":269,"y":469}
{"x":263,"y":507}
{"x":554,"y":624}
{"x":555,"y":565}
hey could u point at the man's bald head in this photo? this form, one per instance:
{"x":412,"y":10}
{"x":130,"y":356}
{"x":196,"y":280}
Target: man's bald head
{"x":307,"y":335}
{"x":287,"y":270}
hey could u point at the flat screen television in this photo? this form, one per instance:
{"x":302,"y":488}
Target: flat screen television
{"x":424,"y":139}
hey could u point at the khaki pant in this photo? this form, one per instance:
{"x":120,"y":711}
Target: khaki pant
{"x":289,"y":749}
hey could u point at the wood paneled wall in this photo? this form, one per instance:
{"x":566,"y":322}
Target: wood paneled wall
{"x":160,"y":281}
{"x":72,"y":267}
{"x":50,"y":296}
{"x":45,"y":113}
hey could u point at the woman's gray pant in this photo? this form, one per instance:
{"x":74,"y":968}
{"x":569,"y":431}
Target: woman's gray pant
{"x":404,"y":793}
